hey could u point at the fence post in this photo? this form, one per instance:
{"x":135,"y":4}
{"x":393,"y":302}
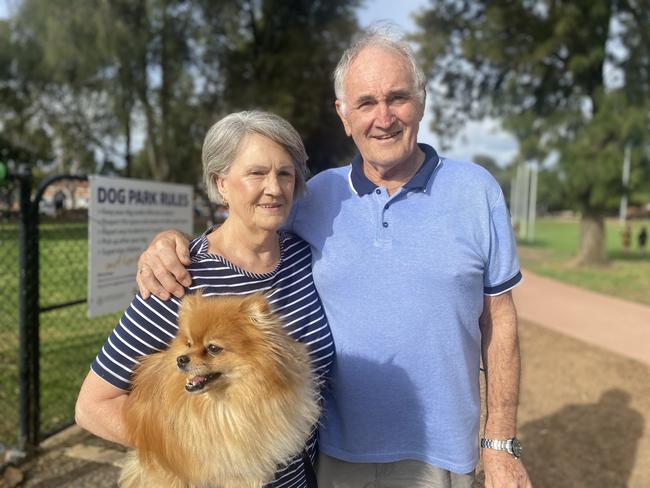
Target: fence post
{"x":28,"y":314}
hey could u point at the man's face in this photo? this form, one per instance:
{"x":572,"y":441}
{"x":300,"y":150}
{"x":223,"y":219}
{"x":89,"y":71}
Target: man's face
{"x":382,"y":112}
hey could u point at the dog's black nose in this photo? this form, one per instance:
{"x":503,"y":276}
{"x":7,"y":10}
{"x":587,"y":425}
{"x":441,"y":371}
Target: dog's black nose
{"x":182,"y":361}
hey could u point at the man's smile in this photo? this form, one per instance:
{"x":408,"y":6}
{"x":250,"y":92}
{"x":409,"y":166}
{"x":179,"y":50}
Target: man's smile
{"x":386,"y":137}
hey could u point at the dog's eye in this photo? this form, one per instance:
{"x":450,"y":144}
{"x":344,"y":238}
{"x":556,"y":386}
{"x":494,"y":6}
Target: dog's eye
{"x":214,"y":349}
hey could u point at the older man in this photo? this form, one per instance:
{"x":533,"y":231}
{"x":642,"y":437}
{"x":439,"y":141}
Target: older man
{"x":414,"y":259}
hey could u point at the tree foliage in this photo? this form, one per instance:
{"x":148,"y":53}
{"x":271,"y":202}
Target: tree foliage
{"x":106,"y":81}
{"x":570,"y":79}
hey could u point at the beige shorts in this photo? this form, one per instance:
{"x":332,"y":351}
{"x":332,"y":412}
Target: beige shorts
{"x":333,"y":473}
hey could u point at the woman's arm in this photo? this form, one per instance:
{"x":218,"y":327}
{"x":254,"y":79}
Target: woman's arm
{"x":99,"y":409}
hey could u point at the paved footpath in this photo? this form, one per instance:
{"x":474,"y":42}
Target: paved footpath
{"x":611,"y":323}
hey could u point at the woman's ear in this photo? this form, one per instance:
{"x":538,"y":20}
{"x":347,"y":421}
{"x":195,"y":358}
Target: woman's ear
{"x":222,"y":186}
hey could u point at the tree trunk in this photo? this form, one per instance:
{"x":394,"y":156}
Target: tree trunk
{"x":592,"y":246}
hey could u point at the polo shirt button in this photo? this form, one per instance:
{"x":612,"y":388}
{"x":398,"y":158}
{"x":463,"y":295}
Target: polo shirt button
{"x":385,"y":224}
{"x":378,"y":191}
{"x":386,"y":206}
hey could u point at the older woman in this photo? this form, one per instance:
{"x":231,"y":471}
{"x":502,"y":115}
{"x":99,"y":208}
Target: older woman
{"x":255,"y":163}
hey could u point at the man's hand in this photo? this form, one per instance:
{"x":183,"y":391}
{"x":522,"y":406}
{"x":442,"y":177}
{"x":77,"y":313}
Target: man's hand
{"x":161,"y":267}
{"x":504,"y":471}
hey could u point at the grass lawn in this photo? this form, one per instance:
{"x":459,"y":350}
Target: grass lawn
{"x":556,"y":241}
{"x":69,"y":339}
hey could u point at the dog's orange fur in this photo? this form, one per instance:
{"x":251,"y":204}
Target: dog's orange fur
{"x":236,"y":431}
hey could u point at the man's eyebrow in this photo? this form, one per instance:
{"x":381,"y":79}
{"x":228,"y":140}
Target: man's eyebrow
{"x":391,"y":94}
{"x":400,"y":93}
{"x":364,"y":99}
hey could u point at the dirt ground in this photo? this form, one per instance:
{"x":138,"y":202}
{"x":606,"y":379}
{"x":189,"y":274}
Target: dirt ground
{"x":583,"y":413}
{"x":582,"y":421}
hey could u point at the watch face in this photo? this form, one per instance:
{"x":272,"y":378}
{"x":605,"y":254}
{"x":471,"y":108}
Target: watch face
{"x":517,"y":449}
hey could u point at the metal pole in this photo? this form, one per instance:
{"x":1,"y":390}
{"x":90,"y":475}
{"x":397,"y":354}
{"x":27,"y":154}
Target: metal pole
{"x":524,"y":186}
{"x":28,"y":314}
{"x":515,"y":199}
{"x":622,"y":212}
{"x":532,"y":202}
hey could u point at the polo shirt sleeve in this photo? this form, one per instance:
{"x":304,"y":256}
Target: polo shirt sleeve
{"x":146,"y":327}
{"x":502,"y":272}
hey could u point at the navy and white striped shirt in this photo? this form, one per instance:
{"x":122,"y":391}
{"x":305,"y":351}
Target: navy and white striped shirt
{"x":148,"y":326}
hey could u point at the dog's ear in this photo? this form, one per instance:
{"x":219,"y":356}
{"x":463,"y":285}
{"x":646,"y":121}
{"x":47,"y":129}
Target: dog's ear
{"x":255,"y":306}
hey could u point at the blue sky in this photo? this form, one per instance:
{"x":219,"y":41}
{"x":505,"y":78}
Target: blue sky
{"x":477,"y":137}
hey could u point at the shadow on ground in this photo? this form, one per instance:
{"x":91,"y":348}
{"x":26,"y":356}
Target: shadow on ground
{"x":585,"y":445}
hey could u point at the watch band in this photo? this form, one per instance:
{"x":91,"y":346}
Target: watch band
{"x":511,"y":446}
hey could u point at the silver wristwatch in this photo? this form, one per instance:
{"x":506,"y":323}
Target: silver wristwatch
{"x":511,"y":446}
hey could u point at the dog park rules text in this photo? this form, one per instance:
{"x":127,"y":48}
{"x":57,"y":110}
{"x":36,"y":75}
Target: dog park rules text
{"x":124,"y":215}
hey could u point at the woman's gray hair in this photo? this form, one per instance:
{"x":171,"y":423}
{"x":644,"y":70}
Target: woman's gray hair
{"x":387,"y":36}
{"x":223,"y":140}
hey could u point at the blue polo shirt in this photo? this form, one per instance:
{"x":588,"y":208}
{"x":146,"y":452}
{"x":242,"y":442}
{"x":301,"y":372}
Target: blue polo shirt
{"x":402,"y":280}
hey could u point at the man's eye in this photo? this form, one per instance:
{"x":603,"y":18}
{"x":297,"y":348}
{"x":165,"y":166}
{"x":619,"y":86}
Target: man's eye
{"x":214,"y":349}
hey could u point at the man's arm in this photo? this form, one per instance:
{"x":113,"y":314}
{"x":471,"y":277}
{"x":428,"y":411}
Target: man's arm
{"x":501,"y":360}
{"x":161,"y":267}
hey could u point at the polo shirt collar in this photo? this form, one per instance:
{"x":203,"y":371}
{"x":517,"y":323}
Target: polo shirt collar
{"x":362,"y":185}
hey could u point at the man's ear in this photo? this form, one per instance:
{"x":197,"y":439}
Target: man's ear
{"x":424,"y":105}
{"x":339,"y":110}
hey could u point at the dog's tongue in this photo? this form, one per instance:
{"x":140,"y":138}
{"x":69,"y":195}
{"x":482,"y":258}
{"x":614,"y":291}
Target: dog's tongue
{"x":197,"y":380}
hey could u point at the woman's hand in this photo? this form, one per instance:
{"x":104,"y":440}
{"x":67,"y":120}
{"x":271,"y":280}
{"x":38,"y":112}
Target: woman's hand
{"x":161,"y":267}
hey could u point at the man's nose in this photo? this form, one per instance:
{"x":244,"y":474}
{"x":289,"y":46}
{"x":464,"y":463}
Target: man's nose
{"x":385,"y":116}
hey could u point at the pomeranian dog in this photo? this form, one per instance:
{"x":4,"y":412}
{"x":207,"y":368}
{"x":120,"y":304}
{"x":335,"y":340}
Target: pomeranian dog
{"x":231,"y":400}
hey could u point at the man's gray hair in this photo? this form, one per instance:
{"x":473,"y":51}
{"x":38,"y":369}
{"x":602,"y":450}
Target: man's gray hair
{"x":223,"y":140}
{"x":383,"y":35}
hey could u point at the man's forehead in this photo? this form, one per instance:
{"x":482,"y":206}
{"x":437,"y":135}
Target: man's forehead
{"x":378,"y":64}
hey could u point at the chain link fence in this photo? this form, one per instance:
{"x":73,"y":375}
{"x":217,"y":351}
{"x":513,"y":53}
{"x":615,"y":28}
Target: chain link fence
{"x":9,"y":334}
{"x":47,"y":341}
{"x":68,"y":338}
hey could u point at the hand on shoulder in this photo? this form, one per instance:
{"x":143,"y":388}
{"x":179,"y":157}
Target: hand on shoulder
{"x":161,"y":267}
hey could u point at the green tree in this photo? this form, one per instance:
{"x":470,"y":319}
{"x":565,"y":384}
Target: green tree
{"x":541,"y":68}
{"x":21,"y":141}
{"x":278,"y":55}
{"x":98,"y":73}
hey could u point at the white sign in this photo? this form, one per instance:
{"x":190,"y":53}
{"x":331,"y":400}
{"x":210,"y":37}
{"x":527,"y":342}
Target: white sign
{"x":124,"y":215}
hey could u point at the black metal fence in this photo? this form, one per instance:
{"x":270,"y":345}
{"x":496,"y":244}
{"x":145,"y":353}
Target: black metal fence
{"x":9,"y":333}
{"x":46,"y":339}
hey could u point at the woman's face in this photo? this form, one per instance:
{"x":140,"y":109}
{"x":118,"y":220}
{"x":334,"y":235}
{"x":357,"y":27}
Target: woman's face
{"x":259,"y":186}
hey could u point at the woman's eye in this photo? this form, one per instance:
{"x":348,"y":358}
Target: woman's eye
{"x":214,"y":349}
